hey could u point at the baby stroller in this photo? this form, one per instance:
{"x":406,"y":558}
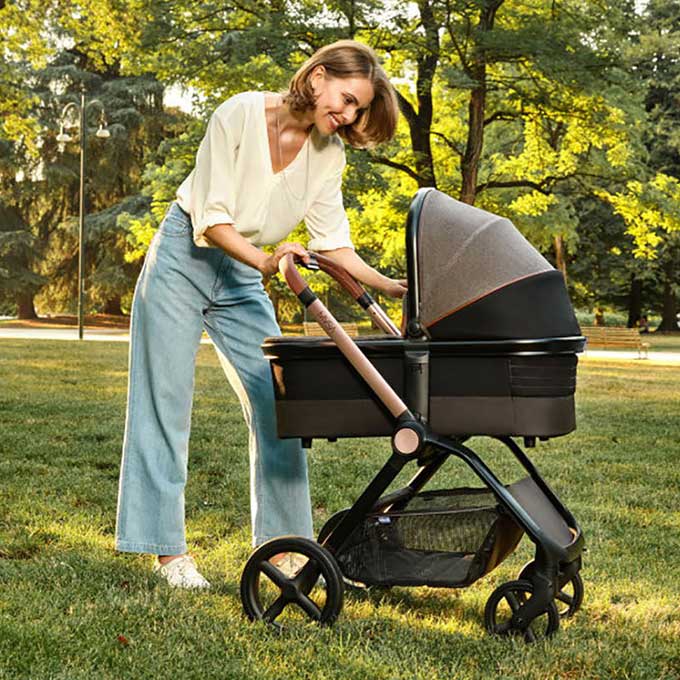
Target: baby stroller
{"x":488,"y":347}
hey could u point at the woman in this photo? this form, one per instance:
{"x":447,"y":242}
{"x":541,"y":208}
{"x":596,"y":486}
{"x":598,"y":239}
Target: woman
{"x":266,"y":162}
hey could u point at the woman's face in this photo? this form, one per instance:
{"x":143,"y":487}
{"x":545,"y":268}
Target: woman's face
{"x":338,"y":100}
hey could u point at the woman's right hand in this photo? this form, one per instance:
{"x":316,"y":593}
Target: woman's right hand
{"x":270,"y":265}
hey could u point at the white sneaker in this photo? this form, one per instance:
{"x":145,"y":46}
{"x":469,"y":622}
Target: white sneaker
{"x":289,"y":564}
{"x":181,"y":573}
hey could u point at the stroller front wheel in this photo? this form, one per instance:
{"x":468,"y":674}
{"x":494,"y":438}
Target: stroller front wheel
{"x":569,"y":597}
{"x":268,"y":589}
{"x":504,"y":603}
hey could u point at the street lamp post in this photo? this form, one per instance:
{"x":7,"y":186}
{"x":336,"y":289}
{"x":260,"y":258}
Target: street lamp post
{"x":63,"y":138}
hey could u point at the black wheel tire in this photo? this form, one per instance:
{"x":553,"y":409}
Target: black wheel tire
{"x":295,"y":590}
{"x":569,"y":598}
{"x":506,"y":600}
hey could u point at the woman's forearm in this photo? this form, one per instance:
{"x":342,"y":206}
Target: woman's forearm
{"x":224,"y":236}
{"x":361,"y":271}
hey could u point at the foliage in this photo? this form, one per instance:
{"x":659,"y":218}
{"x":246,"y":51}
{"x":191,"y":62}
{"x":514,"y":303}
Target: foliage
{"x":650,"y":210}
{"x":528,"y":108}
{"x":41,"y":184}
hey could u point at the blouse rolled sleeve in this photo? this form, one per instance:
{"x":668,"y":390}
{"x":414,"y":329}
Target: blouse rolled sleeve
{"x":326,"y":219}
{"x":213,"y":195}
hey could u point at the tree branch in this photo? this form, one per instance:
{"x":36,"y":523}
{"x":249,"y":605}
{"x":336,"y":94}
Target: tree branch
{"x":501,"y":115}
{"x":407,"y":108}
{"x":538,"y":186}
{"x":448,"y":142}
{"x":383,"y":160}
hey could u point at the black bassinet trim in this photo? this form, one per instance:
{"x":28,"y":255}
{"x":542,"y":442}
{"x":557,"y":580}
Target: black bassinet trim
{"x":320,"y":347}
{"x":531,"y":307}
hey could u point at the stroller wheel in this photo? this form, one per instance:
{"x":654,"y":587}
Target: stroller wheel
{"x":267,"y":590}
{"x":570,"y":596}
{"x":506,"y":600}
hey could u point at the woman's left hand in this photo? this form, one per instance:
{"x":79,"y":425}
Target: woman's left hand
{"x":395,"y":288}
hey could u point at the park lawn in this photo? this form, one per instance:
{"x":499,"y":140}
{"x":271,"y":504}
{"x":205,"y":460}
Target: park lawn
{"x":663,"y":342}
{"x":71,"y":608}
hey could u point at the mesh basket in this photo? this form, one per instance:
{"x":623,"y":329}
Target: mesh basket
{"x":441,"y":538}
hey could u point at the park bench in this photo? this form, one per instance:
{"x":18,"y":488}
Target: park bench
{"x":615,"y":337}
{"x":313,"y":328}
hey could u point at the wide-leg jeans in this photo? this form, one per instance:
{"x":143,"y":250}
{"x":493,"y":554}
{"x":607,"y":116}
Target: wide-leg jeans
{"x":183,"y":289}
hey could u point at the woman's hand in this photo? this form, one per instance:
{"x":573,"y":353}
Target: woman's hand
{"x":270,"y":265}
{"x":395,"y":288}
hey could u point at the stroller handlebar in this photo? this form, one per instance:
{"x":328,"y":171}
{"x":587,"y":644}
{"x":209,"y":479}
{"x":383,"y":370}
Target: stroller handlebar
{"x":344,"y":278}
{"x":336,"y":333}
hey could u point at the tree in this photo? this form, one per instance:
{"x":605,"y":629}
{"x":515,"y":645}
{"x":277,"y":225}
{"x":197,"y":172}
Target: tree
{"x":41,"y":185}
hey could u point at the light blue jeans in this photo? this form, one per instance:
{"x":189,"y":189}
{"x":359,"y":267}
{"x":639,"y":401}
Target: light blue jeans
{"x":183,"y":289}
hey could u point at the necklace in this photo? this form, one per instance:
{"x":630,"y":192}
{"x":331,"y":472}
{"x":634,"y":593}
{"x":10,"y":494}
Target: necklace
{"x":283,"y":170}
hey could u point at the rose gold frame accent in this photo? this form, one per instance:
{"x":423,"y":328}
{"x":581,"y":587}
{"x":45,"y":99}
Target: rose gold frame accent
{"x":345,"y":344}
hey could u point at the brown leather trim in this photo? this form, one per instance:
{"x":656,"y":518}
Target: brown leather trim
{"x":340,"y":274}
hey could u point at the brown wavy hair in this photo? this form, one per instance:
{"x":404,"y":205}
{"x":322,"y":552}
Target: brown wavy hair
{"x":350,"y":59}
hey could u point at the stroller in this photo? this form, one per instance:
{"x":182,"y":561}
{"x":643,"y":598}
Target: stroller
{"x":488,"y":347}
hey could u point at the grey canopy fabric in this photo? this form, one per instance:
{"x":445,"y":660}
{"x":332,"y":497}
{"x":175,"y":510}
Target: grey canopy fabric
{"x":465,"y":253}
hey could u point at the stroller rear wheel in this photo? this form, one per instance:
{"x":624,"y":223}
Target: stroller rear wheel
{"x":267,"y":590}
{"x":570,"y":595}
{"x":506,"y":600}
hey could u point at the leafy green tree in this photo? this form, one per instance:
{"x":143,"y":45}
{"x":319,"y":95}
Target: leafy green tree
{"x":41,"y":184}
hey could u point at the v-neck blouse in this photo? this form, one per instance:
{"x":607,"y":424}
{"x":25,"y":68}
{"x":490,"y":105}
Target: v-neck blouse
{"x":233,"y":181}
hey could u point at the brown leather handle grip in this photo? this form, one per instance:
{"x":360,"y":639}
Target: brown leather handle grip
{"x":341,"y":275}
{"x":297,"y":284}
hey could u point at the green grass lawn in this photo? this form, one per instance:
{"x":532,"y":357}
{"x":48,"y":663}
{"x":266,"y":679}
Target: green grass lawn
{"x":71,"y":608}
{"x":663,"y":342}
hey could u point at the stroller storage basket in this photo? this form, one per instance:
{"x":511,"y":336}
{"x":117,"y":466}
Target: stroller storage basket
{"x":441,"y":538}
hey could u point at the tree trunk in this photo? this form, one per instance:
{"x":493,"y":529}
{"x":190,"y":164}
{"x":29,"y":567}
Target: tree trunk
{"x":669,"y":318}
{"x":476,"y":110}
{"x":634,"y":302}
{"x":473,"y":151}
{"x":560,"y":260}
{"x":420,"y":120}
{"x":25,"y":306}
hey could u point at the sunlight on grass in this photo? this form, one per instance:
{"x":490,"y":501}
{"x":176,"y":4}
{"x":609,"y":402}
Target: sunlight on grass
{"x":72,"y":608}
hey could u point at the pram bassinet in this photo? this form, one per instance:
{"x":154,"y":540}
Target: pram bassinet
{"x":490,"y":313}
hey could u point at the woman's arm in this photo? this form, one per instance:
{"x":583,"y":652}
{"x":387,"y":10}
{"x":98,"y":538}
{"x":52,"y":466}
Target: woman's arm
{"x":224,"y":236}
{"x":347,"y":258}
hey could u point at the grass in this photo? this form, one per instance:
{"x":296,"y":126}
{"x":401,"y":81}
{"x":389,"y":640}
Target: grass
{"x":663,"y":342}
{"x":71,"y":608}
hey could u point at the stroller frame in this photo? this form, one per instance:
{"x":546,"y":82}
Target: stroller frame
{"x":549,"y":524}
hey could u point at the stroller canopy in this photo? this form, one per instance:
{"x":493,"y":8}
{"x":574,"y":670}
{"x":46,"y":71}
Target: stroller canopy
{"x":472,"y":275}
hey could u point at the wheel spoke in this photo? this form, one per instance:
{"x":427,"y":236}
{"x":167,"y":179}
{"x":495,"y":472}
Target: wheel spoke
{"x":275,"y":609}
{"x":308,"y":606}
{"x":529,"y":634}
{"x":564,"y":597}
{"x":503,"y":628}
{"x":512,"y":599}
{"x":275,"y":576}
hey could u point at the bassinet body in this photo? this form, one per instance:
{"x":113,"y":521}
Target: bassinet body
{"x":489,"y":331}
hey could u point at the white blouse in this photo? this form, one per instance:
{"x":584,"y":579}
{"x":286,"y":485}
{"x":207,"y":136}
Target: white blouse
{"x":233,"y":181}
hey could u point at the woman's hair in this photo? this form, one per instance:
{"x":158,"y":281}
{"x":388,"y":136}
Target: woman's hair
{"x":350,"y":59}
